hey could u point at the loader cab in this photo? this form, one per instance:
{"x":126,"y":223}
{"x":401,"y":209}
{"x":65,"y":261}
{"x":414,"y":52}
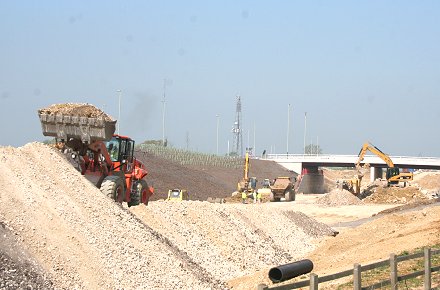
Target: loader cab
{"x":120,"y":148}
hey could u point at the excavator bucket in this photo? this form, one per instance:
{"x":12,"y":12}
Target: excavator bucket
{"x":78,"y":121}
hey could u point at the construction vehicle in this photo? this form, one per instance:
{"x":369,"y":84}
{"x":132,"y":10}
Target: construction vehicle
{"x":103,"y":158}
{"x":393,"y":174}
{"x":282,"y":187}
{"x":265,"y":189}
{"x":177,"y":194}
{"x":353,"y":185}
{"x":247,"y":184}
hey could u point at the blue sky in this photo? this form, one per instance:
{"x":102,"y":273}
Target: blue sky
{"x":362,"y":70}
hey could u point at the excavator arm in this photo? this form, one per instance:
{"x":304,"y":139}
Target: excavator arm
{"x":394,"y":176}
{"x":373,"y":149}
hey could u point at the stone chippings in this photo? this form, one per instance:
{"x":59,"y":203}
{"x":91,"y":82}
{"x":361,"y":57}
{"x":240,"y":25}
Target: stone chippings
{"x":338,"y":197}
{"x":76,"y":109}
{"x":80,"y":239}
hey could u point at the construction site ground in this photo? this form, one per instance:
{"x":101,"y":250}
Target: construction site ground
{"x":58,"y":231}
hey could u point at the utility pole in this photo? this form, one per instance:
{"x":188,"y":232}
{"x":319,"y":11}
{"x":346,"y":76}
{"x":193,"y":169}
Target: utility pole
{"x":288,"y":129}
{"x":119,"y":109}
{"x":217,"y":116}
{"x":305,"y":128}
{"x":163,"y":113}
{"x":255,"y":149}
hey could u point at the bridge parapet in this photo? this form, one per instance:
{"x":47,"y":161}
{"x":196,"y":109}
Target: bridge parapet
{"x":328,"y":160}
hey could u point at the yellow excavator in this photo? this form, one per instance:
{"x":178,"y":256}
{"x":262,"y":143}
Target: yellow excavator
{"x":393,"y":174}
{"x":247,"y":184}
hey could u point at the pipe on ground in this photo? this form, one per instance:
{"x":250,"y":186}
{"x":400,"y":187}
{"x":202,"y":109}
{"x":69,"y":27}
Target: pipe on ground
{"x":291,"y":270}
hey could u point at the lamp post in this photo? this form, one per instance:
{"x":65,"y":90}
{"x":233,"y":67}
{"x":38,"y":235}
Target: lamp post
{"x":217,"y":116}
{"x":305,"y":128}
{"x":288,"y":129}
{"x":163,"y":113}
{"x":119,"y":109}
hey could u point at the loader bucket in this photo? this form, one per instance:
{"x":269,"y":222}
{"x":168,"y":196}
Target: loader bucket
{"x":88,"y":130}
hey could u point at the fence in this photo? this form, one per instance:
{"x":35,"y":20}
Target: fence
{"x":358,"y":269}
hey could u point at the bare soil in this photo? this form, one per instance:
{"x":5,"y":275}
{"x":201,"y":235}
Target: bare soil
{"x":60,"y":222}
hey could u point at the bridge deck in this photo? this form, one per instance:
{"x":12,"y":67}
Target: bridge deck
{"x":350,"y":160}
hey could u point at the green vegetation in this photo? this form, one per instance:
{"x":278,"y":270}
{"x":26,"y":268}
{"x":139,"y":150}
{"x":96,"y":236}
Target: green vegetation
{"x":313,"y":149}
{"x":185,"y":157}
{"x":405,"y":267}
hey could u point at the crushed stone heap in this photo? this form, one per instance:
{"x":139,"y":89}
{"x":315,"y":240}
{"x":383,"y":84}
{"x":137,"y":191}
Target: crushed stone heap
{"x":338,"y":197}
{"x":76,"y":109}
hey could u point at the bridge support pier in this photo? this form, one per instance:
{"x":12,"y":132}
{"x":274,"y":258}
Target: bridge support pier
{"x":312,"y":180}
{"x":375,"y":172}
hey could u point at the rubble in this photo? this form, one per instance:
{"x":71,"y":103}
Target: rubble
{"x":76,"y":109}
{"x":338,"y":197}
{"x":65,"y":223}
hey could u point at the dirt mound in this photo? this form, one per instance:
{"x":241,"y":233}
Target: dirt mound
{"x":377,"y":193}
{"x":18,"y":269}
{"x":232,"y":240}
{"x":202,"y":181}
{"x":83,"y":110}
{"x":338,"y":197}
{"x":66,"y":223}
{"x":428,"y":182}
{"x":375,"y":240}
{"x":310,"y":226}
{"x":63,"y":222}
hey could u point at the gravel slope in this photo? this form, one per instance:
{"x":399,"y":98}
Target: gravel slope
{"x":66,"y":223}
{"x":84,"y":240}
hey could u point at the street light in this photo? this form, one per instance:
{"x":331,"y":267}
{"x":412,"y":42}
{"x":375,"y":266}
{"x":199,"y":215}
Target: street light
{"x":217,"y":116}
{"x":119,"y":109}
{"x":163,"y":113}
{"x":288,"y":129}
{"x":305,"y":128}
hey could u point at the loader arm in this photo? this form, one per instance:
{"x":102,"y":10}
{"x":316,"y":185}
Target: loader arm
{"x":100,"y":147}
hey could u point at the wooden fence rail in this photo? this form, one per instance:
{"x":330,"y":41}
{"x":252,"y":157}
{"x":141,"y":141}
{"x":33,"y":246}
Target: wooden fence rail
{"x":358,"y":269}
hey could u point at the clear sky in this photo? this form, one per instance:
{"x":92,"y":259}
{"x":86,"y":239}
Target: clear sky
{"x":362,"y":70}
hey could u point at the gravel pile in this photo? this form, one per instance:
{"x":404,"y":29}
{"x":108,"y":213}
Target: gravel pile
{"x":65,"y":223}
{"x":311,"y":226}
{"x":75,"y":109}
{"x":18,"y":270}
{"x":232,"y":240}
{"x":338,"y":197}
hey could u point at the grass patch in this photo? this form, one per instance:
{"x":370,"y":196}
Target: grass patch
{"x":379,"y":274}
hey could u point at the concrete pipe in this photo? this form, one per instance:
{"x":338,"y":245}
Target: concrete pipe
{"x":291,"y":270}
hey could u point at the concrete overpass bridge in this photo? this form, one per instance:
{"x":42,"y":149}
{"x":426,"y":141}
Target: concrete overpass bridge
{"x":297,"y":162}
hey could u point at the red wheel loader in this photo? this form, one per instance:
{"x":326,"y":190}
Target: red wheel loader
{"x":86,"y":135}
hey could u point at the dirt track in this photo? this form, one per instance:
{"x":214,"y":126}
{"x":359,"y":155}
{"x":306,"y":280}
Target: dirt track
{"x":63,"y":223}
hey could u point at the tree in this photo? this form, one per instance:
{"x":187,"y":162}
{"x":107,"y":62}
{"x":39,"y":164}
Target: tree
{"x":313,"y":149}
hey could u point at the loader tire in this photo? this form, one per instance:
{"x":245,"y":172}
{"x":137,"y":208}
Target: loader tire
{"x":135,"y":199}
{"x":144,"y":195}
{"x":113,"y":187}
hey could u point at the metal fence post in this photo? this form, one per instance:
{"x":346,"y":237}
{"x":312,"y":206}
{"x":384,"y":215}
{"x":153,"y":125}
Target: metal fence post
{"x":314,"y":281}
{"x":357,"y":283}
{"x":393,"y":271}
{"x":427,"y":258}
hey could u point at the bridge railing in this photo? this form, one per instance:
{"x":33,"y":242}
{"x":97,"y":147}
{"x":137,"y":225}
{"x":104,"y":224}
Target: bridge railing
{"x":352,"y":159}
{"x":333,"y":156}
